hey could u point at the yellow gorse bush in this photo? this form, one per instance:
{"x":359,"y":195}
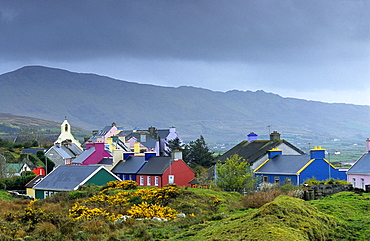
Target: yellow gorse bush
{"x":145,"y":210}
{"x":124,"y":185}
{"x":152,"y":203}
{"x":80,"y":211}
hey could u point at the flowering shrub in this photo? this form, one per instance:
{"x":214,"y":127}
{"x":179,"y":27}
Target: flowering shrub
{"x":103,"y":205}
{"x":125,"y":185}
{"x":145,"y":210}
{"x":80,"y":211}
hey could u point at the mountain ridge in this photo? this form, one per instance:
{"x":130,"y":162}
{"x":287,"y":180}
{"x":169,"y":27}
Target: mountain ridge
{"x":93,"y":101}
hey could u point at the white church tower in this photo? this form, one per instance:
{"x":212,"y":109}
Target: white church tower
{"x":65,"y":134}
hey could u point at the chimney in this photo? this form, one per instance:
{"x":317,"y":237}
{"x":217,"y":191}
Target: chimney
{"x":252,"y":137}
{"x":117,"y":156}
{"x":274,"y":152}
{"x":368,"y":144}
{"x":275,"y":136}
{"x":317,"y":153}
{"x":177,"y":155}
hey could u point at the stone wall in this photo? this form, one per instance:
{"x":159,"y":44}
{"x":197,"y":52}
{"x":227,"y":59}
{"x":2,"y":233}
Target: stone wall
{"x":314,"y":192}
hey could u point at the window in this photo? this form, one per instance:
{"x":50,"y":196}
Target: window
{"x":171,"y":179}
{"x":148,"y":181}
{"x":354,"y":182}
{"x":288,"y":180}
{"x":265,"y":179}
{"x":362,"y":183}
{"x":156,"y":181}
{"x":141,"y":180}
{"x":277,"y":180}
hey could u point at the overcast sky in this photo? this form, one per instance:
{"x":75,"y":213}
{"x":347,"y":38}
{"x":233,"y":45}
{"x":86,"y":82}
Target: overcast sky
{"x":316,"y":50}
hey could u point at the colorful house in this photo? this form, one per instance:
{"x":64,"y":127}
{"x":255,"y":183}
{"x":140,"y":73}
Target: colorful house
{"x":16,"y":169}
{"x":64,"y":153}
{"x":29,"y":186}
{"x":70,"y":178}
{"x":160,"y":171}
{"x":256,"y":151}
{"x":94,"y":153}
{"x":150,"y":140}
{"x":128,"y":169}
{"x":359,"y":173}
{"x":295,"y":169}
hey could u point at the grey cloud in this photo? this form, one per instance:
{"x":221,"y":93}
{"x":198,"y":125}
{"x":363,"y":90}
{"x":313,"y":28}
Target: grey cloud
{"x":194,"y":30}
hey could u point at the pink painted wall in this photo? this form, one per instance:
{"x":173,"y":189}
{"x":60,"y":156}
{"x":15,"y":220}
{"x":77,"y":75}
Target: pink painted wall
{"x":358,"y":182}
{"x":112,"y":132}
{"x":97,"y":155}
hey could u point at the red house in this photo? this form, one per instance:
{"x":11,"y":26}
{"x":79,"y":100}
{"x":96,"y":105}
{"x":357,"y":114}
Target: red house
{"x":162,"y":170}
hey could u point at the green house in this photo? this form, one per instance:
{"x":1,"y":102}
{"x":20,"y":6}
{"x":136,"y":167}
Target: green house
{"x":70,"y":177}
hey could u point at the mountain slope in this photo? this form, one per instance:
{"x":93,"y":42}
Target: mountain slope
{"x":91,"y":102}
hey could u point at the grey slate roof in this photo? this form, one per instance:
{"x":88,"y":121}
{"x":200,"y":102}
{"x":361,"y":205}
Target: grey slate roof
{"x":163,"y":133}
{"x":34,"y":181}
{"x":252,"y":151}
{"x":156,"y":165}
{"x":84,"y":155}
{"x":106,"y":161}
{"x":67,"y":177}
{"x":150,"y":140}
{"x":75,"y":149}
{"x":63,"y":151}
{"x":32,"y":151}
{"x":362,"y":165}
{"x":131,"y":166}
{"x":287,"y":164}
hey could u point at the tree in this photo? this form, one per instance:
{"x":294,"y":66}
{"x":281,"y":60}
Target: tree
{"x":175,"y":144}
{"x":235,"y":175}
{"x":49,"y":164}
{"x":199,"y":153}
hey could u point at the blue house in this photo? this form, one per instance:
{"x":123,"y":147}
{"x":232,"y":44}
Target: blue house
{"x":295,"y":169}
{"x":127,"y":169}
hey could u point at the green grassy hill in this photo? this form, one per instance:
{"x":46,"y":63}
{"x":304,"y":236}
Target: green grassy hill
{"x":89,"y":214}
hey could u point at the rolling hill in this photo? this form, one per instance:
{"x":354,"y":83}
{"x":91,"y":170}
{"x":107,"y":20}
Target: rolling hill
{"x":91,"y":102}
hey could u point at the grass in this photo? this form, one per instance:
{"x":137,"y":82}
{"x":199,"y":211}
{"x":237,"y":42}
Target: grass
{"x":353,"y":212}
{"x":210,"y":215}
{"x":4,"y":195}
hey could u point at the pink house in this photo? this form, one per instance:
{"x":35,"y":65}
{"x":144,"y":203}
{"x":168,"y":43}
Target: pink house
{"x":94,"y":153}
{"x":359,"y":173}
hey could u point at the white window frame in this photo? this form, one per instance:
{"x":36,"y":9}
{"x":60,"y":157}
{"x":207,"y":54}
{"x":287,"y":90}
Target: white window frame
{"x":141,"y":180}
{"x":156,"y":181}
{"x":363,"y":183}
{"x":148,"y":181}
{"x":354,"y":182}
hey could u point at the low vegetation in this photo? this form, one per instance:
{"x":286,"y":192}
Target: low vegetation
{"x":123,"y":211}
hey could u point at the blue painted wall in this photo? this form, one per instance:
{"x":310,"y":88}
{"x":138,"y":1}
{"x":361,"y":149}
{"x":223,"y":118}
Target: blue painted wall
{"x":322,"y":171}
{"x":282,"y":178}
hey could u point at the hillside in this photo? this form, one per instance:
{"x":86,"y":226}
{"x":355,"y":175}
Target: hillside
{"x":91,"y":102}
{"x":23,"y":128}
{"x":93,"y":213}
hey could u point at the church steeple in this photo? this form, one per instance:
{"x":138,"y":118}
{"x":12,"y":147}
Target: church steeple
{"x":65,"y":134}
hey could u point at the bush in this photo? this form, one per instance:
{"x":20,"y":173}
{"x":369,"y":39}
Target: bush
{"x":125,"y":185}
{"x":260,"y":198}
